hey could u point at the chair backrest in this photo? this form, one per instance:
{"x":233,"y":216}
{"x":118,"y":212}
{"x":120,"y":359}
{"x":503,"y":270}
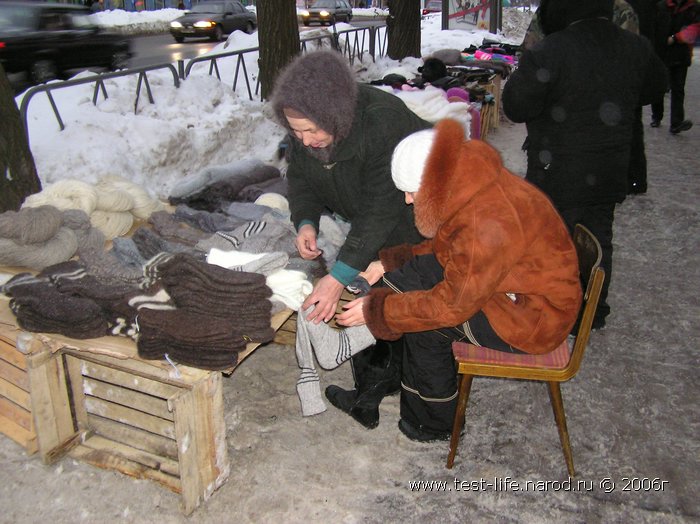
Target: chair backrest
{"x":592,"y":275}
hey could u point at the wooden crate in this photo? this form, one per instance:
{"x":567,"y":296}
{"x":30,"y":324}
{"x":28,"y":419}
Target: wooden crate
{"x":98,"y":402}
{"x":16,"y":419}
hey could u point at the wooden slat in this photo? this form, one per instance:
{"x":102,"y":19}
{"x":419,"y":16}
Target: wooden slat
{"x":109,"y":374}
{"x":50,"y":402}
{"x":127,"y":397}
{"x":21,"y":416}
{"x":14,"y":375}
{"x":137,"y":438}
{"x":199,"y":421}
{"x":285,"y":338}
{"x":149,"y":460}
{"x":73,"y":368}
{"x":26,"y":439}
{"x":15,"y":394}
{"x":106,"y":460}
{"x":278,"y":319}
{"x":9,"y":353}
{"x":129,"y":416}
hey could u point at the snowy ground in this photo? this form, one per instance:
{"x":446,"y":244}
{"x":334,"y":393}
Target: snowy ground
{"x":632,"y":409}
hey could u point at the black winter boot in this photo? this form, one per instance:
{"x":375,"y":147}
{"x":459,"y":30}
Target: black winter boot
{"x":377,"y":373}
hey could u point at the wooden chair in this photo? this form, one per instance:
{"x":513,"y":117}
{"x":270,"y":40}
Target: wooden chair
{"x":557,"y":366}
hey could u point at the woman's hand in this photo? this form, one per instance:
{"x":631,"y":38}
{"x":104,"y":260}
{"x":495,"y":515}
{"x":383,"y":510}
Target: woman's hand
{"x":374,"y":272}
{"x":354,"y":314}
{"x":306,"y":242}
{"x":325,"y":297}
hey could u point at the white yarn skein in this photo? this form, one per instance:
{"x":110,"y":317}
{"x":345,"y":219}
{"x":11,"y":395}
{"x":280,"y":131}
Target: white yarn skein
{"x":143,"y":204}
{"x":112,"y":223}
{"x":114,"y":200}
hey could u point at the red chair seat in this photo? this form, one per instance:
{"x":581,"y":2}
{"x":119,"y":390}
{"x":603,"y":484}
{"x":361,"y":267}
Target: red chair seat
{"x":469,"y":353}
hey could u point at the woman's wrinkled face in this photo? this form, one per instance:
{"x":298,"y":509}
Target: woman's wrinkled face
{"x":309,"y":133}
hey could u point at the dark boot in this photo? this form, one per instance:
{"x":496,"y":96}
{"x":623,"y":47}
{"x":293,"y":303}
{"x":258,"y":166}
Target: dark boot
{"x":377,"y":373}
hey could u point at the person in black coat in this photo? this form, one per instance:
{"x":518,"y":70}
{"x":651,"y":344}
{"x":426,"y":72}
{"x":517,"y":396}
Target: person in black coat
{"x":637,"y":172}
{"x":677,"y":27}
{"x":577,"y":91}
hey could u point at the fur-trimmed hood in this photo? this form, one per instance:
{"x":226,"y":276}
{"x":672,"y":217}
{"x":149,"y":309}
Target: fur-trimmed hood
{"x":444,"y":190}
{"x":321,"y":86}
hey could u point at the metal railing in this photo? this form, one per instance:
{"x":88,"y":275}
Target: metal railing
{"x":350,"y":42}
{"x":351,"y":46}
{"x":99,"y":81}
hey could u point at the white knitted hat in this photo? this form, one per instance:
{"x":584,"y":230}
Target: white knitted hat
{"x":408,"y":160}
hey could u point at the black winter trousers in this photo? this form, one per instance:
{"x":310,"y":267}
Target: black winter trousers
{"x":429,"y":373}
{"x":599,"y":220}
{"x":677,"y":76}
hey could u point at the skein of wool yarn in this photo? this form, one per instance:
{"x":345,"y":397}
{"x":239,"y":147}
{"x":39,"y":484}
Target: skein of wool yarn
{"x":31,"y":225}
{"x":114,"y":200}
{"x":65,"y":194}
{"x":112,"y":223}
{"x":143,"y":204}
{"x":40,"y":254}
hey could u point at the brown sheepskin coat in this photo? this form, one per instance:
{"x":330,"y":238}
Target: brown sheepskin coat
{"x":502,"y":245}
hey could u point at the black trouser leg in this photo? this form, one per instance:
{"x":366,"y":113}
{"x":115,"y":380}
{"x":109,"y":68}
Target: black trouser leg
{"x":677,"y":77}
{"x":657,"y":110}
{"x":599,"y":220}
{"x":637,"y":170}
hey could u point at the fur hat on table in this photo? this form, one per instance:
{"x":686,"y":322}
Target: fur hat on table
{"x":321,"y":86}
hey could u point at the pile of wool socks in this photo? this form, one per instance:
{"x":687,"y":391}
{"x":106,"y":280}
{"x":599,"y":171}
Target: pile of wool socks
{"x":217,"y":313}
{"x":195,"y":313}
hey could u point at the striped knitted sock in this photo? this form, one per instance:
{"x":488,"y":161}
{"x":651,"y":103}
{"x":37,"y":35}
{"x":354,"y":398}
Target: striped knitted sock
{"x":308,"y":385}
{"x":334,"y":346}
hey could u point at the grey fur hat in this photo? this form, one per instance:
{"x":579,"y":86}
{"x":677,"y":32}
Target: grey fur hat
{"x":321,"y":86}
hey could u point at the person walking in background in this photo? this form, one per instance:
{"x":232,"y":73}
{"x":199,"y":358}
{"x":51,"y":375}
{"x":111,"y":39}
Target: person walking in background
{"x":677,"y":28}
{"x":341,"y":137}
{"x":577,"y":90}
{"x":636,"y":16}
{"x":637,"y":173}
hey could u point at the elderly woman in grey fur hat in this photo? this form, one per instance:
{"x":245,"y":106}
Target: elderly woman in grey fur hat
{"x":342,"y":135}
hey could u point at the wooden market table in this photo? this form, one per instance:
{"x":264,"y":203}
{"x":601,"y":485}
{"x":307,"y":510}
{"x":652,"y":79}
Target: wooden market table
{"x":97,"y":401}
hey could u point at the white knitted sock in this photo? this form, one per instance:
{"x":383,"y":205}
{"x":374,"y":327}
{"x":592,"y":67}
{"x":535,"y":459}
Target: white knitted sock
{"x":308,"y":385}
{"x":334,"y":346}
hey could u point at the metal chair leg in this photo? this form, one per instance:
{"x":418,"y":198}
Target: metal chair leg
{"x":465,"y":386}
{"x":560,"y":417}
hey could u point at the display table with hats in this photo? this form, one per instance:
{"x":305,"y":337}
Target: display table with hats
{"x":97,"y":401}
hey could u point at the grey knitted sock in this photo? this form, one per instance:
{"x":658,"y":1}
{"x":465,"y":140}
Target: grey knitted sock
{"x":308,"y":385}
{"x":334,"y":346}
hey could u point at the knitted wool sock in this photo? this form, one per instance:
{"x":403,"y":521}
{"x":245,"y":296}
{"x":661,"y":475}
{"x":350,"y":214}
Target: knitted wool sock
{"x":334,"y":346}
{"x":308,"y":385}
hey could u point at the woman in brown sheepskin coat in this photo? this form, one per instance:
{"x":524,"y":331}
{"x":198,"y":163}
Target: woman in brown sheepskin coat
{"x":498,"y":268}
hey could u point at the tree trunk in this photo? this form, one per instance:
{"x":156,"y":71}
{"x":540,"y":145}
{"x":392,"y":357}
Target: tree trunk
{"x":278,"y":35}
{"x":403,"y":26}
{"x":18,"y":177}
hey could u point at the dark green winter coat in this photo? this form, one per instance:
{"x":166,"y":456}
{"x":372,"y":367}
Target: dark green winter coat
{"x":356,"y":184}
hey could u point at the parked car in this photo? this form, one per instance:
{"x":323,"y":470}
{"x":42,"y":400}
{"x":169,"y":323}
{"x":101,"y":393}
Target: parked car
{"x":327,"y":12}
{"x":432,"y":6}
{"x":46,"y":40}
{"x":214,"y":19}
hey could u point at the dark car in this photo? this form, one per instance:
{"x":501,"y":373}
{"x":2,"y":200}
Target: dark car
{"x":214,"y":19}
{"x":46,"y":40}
{"x":327,"y":12}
